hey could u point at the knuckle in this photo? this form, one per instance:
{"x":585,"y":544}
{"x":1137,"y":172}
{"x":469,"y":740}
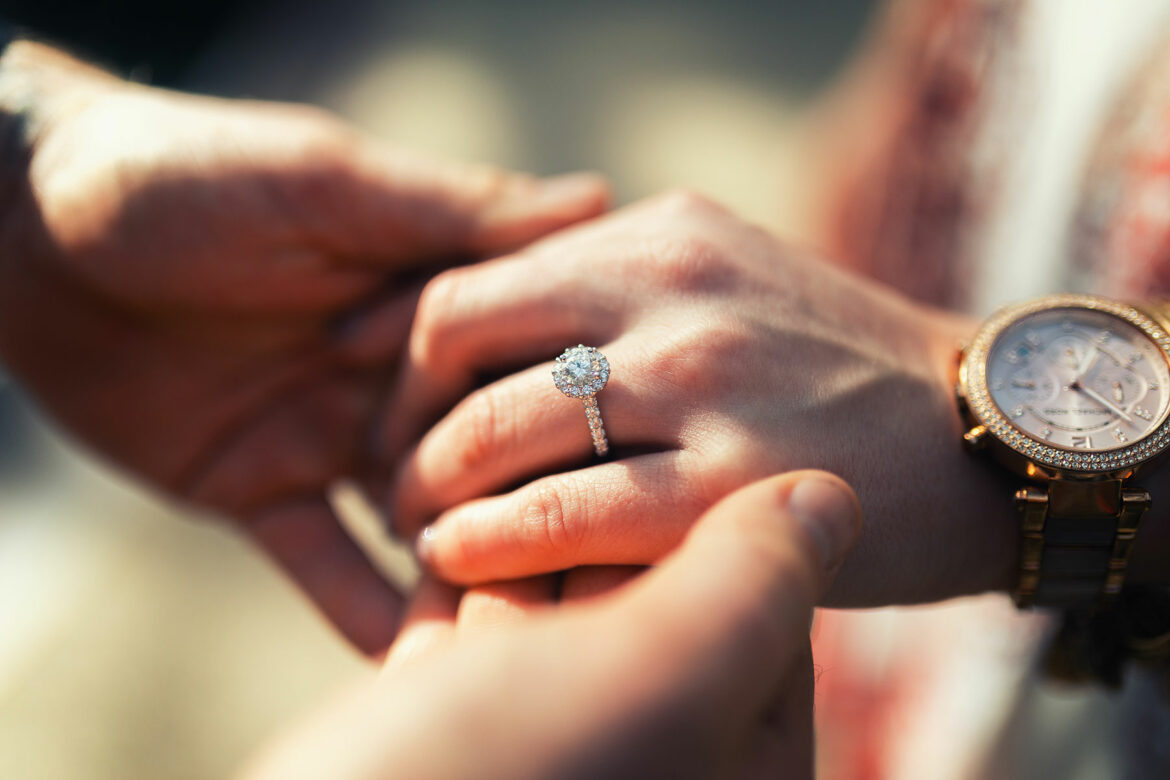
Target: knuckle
{"x":688,"y":203}
{"x":691,"y":262}
{"x":314,"y":168}
{"x":551,"y":518}
{"x":483,"y":184}
{"x":433,"y":321}
{"x":697,"y":360}
{"x":487,"y":429}
{"x":321,"y":139}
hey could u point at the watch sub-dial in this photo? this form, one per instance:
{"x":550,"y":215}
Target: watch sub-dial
{"x":1070,"y":352}
{"x":1031,"y":385}
{"x":1121,"y":387}
{"x":1020,"y":354}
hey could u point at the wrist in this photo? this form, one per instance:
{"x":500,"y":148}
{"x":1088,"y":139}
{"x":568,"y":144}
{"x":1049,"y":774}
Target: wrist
{"x":940,"y":522}
{"x":984,"y":495}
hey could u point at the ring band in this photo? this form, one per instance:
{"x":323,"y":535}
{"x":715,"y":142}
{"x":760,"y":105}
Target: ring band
{"x":581,"y":372}
{"x":596,"y":426}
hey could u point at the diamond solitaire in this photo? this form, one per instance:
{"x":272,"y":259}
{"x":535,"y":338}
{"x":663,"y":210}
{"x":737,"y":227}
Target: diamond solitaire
{"x":581,"y":372}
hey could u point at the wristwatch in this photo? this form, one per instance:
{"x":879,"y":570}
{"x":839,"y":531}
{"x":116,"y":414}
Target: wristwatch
{"x":1071,"y":392}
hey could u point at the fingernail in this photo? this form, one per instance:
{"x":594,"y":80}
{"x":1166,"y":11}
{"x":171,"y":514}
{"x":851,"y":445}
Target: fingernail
{"x":425,"y":545}
{"x":829,"y":513}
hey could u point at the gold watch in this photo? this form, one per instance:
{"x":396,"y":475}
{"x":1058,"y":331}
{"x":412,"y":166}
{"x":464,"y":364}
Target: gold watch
{"x":1071,"y":392}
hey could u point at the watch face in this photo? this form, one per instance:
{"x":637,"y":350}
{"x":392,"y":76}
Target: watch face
{"x":1072,"y":381}
{"x":1079,"y":378}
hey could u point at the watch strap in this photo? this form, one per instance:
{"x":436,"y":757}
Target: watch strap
{"x":1075,"y":541}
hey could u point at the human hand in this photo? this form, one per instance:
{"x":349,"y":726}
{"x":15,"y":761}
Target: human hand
{"x":698,"y":668}
{"x":733,"y":356}
{"x":173,"y":273}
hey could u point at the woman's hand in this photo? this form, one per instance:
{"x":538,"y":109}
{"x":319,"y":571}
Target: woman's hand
{"x":733,"y":356}
{"x":174,"y":275}
{"x":699,"y":668}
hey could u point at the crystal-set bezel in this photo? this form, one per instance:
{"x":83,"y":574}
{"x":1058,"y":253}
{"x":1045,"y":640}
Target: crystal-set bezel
{"x":984,"y":409}
{"x":572,"y":387}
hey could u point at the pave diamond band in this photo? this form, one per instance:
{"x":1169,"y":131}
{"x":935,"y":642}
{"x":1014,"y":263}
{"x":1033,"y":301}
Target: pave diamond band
{"x":596,"y":428}
{"x":581,"y":372}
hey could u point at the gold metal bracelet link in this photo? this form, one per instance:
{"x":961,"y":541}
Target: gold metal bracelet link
{"x":1117,"y":511}
{"x":1134,"y":504}
{"x":1033,"y":505}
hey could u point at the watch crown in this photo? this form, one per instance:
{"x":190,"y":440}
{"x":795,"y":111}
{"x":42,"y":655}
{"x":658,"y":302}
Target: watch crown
{"x":975,"y":439}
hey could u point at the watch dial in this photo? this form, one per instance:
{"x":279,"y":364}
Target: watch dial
{"x":1079,"y":379}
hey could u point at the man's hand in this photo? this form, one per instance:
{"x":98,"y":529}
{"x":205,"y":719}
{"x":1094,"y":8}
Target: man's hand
{"x":699,"y":668}
{"x":175,"y":276}
{"x":732,"y":357}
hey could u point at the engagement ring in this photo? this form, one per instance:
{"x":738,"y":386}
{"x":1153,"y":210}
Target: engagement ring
{"x":581,"y":372}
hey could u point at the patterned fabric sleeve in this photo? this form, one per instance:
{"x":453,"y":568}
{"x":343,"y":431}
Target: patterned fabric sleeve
{"x":1121,"y":236}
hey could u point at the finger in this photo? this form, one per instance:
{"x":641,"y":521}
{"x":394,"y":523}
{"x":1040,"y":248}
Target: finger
{"x":574,"y":287}
{"x":730,"y":609}
{"x":429,"y":623}
{"x":476,"y":319}
{"x":578,"y":285}
{"x":306,"y":539}
{"x":587,"y":583}
{"x":512,"y":311}
{"x":377,"y":333}
{"x":786,"y":742}
{"x":633,"y":511}
{"x":509,"y":307}
{"x":519,"y":427}
{"x":394,"y":206}
{"x":499,"y":604}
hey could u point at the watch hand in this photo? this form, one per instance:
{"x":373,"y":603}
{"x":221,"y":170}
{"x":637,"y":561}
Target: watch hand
{"x":1102,"y":400}
{"x":1090,"y":361}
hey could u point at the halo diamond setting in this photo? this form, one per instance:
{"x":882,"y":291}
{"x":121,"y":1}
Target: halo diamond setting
{"x":582,"y":372}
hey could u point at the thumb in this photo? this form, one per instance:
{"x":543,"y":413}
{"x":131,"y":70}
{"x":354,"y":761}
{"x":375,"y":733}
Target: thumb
{"x":729,"y":611}
{"x":404,"y":206}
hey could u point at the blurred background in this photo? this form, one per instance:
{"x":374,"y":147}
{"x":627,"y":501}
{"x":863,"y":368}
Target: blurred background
{"x":139,"y":642}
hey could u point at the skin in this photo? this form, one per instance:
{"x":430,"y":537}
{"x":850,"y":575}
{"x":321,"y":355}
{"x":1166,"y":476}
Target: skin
{"x":177,"y":275}
{"x":699,"y":668}
{"x":733,"y":356}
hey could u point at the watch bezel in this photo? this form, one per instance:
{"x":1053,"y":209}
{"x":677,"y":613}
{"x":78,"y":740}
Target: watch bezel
{"x":981,"y":407}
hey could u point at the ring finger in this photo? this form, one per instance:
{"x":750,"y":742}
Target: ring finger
{"x":522,"y":426}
